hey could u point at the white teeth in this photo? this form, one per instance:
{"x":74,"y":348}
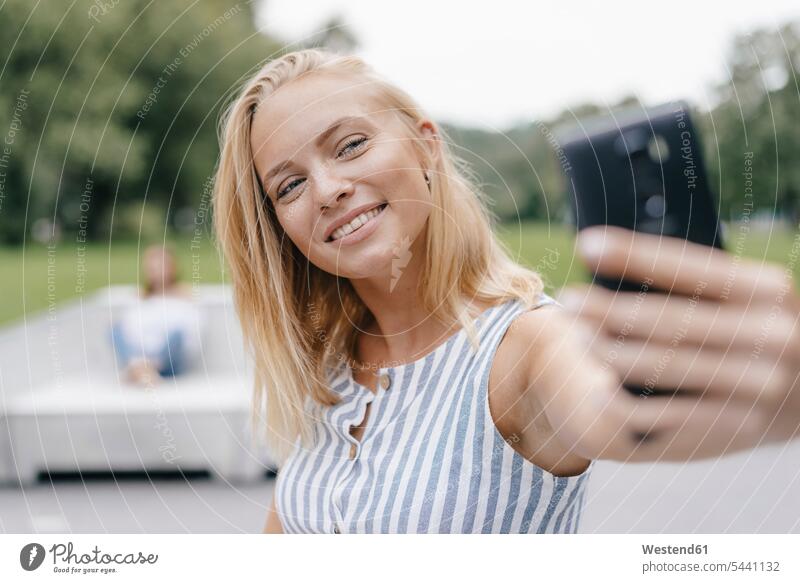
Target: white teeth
{"x":356,"y":223}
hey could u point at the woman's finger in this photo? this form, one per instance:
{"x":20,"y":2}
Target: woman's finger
{"x":706,"y":372}
{"x":608,"y":423}
{"x":589,"y":410}
{"x":679,"y":266}
{"x":681,"y":429}
{"x":679,"y":320}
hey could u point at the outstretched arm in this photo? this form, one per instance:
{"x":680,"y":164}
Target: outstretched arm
{"x":580,"y":399}
{"x":723,"y":341}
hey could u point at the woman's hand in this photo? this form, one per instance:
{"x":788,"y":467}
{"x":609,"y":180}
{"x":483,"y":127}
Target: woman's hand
{"x":724,"y":342}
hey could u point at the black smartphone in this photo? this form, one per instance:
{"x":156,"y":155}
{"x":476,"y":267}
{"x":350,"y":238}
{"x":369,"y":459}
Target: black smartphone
{"x":641,"y":169}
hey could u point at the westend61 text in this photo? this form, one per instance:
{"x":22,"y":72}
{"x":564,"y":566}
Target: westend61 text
{"x":671,"y":550}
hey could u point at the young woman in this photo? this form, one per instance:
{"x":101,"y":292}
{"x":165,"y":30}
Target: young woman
{"x":414,"y":378}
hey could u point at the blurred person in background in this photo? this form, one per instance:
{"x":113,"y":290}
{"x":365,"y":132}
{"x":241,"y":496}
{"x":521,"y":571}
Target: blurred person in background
{"x":157,"y":336}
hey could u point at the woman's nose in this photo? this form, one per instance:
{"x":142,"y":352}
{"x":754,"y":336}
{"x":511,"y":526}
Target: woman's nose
{"x":331,"y":189}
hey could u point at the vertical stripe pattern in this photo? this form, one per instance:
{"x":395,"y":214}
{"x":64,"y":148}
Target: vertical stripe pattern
{"x":430,"y":458}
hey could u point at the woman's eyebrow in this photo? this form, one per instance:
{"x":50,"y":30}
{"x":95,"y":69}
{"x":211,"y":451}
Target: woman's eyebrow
{"x":321,"y":137}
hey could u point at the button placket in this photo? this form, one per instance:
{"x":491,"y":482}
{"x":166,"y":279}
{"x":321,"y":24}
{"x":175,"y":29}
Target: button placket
{"x":347,"y":465}
{"x":336,"y":497}
{"x":355,"y":445}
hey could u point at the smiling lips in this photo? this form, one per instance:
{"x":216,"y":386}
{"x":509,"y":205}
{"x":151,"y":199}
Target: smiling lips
{"x":356,"y":223}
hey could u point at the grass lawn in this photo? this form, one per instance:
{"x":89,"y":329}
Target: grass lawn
{"x":34,"y":277}
{"x":550,"y":249}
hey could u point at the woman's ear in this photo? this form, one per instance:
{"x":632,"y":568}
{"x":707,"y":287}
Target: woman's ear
{"x":430,"y":137}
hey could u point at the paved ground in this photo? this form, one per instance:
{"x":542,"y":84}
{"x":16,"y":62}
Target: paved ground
{"x":160,"y":506}
{"x":756,"y":491}
{"x":750,"y":492}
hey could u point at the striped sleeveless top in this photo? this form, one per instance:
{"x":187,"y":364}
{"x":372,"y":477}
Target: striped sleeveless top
{"x":430,"y":458}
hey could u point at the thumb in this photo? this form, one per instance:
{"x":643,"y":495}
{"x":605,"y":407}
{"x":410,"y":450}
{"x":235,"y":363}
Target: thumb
{"x":604,"y":249}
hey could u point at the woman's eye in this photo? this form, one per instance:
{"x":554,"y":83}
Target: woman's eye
{"x":289,"y":187}
{"x":352,"y":146}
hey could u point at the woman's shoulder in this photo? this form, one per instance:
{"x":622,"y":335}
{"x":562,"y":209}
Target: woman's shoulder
{"x":521,"y":356}
{"x":533,"y":331}
{"x":533,"y":325}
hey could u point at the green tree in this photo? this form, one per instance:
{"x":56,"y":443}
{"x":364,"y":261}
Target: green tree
{"x":113,"y":105}
{"x":757,"y":119}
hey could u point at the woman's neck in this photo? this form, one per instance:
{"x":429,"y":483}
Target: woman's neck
{"x":401,"y":330}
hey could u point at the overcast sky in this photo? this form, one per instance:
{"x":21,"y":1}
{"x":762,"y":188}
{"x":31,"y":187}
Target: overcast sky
{"x":497,"y":62}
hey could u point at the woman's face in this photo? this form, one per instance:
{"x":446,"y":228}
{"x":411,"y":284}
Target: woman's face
{"x":345,"y":180}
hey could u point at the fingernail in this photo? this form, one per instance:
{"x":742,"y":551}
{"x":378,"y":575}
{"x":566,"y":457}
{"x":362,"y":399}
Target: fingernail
{"x":570,"y":300}
{"x":590,"y":244}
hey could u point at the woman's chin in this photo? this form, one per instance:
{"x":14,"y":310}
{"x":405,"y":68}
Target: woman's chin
{"x":362,"y":263}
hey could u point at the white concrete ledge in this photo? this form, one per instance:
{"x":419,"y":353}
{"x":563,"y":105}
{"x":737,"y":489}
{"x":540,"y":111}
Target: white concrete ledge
{"x":64,"y":407}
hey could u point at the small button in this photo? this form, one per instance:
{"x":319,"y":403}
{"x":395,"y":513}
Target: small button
{"x":353,"y":450}
{"x":336,"y":529}
{"x":385,"y":381}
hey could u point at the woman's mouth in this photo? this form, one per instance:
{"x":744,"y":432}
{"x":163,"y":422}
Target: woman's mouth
{"x":359,"y":228}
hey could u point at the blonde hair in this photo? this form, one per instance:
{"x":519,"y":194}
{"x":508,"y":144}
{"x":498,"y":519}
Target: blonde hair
{"x":297,"y":319}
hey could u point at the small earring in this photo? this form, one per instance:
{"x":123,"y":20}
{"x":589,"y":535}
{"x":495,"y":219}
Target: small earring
{"x":427,"y":178}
